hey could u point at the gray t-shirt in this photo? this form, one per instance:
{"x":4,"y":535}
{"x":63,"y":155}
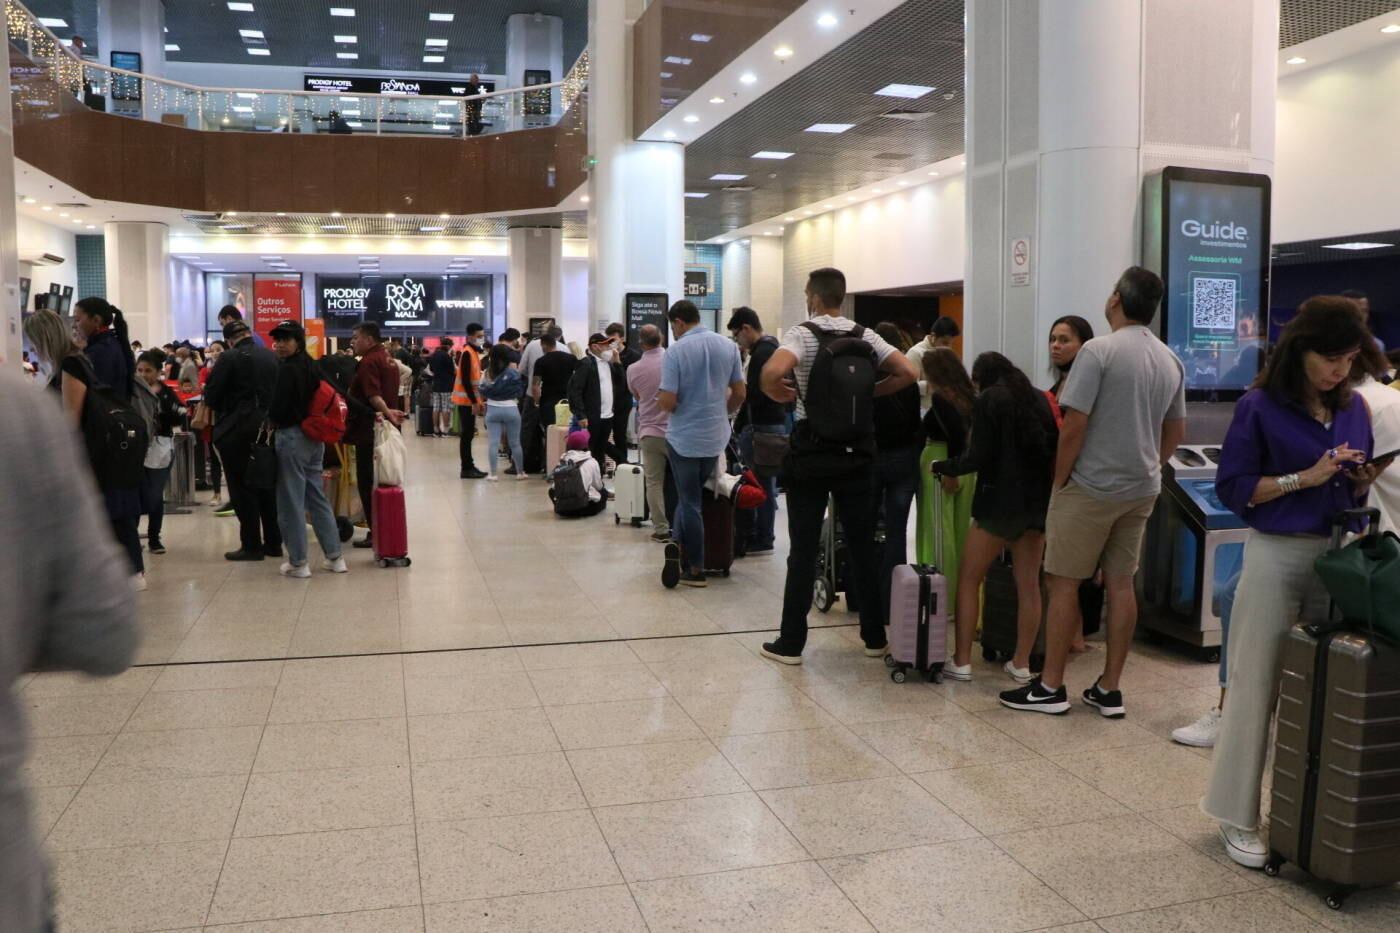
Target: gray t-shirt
{"x":1128,"y":383}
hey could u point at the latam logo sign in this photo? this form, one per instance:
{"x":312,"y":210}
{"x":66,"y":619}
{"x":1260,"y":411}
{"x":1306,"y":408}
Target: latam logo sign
{"x":1216,"y":230}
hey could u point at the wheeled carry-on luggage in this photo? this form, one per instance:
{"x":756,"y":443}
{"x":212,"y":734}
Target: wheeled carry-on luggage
{"x":1000,"y":606}
{"x":555,"y":439}
{"x":389,"y":525}
{"x":717,"y":513}
{"x":630,"y":495}
{"x":427,"y":418}
{"x":833,"y":565}
{"x":918,"y":622}
{"x":1336,"y":787}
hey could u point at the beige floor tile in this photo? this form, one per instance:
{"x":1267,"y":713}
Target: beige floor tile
{"x":1018,"y":795}
{"x":701,"y":649}
{"x":1374,"y":910}
{"x":105,"y":816}
{"x":1083,"y":730}
{"x":589,"y":910}
{"x":1239,"y":913}
{"x":461,"y":663}
{"x":957,"y":886}
{"x":857,"y":703}
{"x":576,"y":657}
{"x":485,"y":734}
{"x":811,"y":756}
{"x":675,"y":622}
{"x":643,"y":773}
{"x":135,"y":757}
{"x":201,"y":709}
{"x":337,"y":700}
{"x":1143,"y":777}
{"x":390,"y":920}
{"x":281,"y":802}
{"x":351,"y":744}
{"x":1159,"y":712}
{"x":303,"y":672}
{"x":464,"y":789}
{"x":136,"y":888}
{"x":62,"y":760}
{"x":318,"y":636}
{"x":69,"y":683}
{"x":454,"y":694}
{"x":624,"y":722}
{"x":596,"y":685}
{"x":233,"y":645}
{"x":1201,"y":833}
{"x":696,"y":836}
{"x":269,"y":877}
{"x":978,"y":695}
{"x":784,"y":709}
{"x":796,"y":898}
{"x":47,"y":805}
{"x":855,"y":817}
{"x":508,"y":855}
{"x":49,"y":716}
{"x":566,"y":623}
{"x":957,"y":741}
{"x":1120,"y":864}
{"x":219,"y":676}
{"x":723,"y":675}
{"x":436,"y":634}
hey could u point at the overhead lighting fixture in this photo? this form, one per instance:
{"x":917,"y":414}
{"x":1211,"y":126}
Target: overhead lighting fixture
{"x":700,"y":37}
{"x":1391,"y":29}
{"x":669,"y":134}
{"x":92,"y":226}
{"x":1358,"y":244}
{"x":932,"y":174}
{"x":30,"y":201}
{"x":725,"y":177}
{"x":1297,"y":60}
{"x":716,"y":100}
{"x":431,"y":229}
{"x":443,"y":216}
{"x":435,"y":43}
{"x":246,"y":95}
{"x":879,"y":190}
{"x":256,"y":51}
{"x":243,"y":109}
{"x":441,"y":17}
{"x":828,"y":21}
{"x":390,"y":216}
{"x":789,"y":220}
{"x":691,"y":118}
{"x":349,"y":113}
{"x":252,"y":33}
{"x":332,"y":226}
{"x":676,"y":60}
{"x":665,"y":74}
{"x":697,"y":194}
{"x":270,"y":258}
{"x":348,"y":56}
{"x":906,"y":91}
{"x":342,"y":11}
{"x":442,"y":127}
{"x":806,"y":213}
{"x":234,"y":227}
{"x":903,"y":183}
{"x":63,"y":213}
{"x":46,"y":207}
{"x":171,"y":47}
{"x":770,"y":154}
{"x":433,"y":59}
{"x":585,"y":199}
{"x":241,"y":7}
{"x":828,"y":127}
{"x":748,"y":77}
{"x":54,"y":22}
{"x":335,"y":213}
{"x":782,"y":53}
{"x":348,"y":40}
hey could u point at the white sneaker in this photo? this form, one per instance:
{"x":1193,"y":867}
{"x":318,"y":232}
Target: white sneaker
{"x":521,"y":477}
{"x":1200,"y":734}
{"x":492,"y":478}
{"x":216,"y":499}
{"x":138,"y":583}
{"x":335,"y":566}
{"x":953,"y":671}
{"x":1244,"y":847}
{"x":299,"y":571}
{"x":1022,"y":675}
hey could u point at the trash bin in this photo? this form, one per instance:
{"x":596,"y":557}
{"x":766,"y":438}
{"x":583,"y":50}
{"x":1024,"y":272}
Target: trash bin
{"x":179,"y":491}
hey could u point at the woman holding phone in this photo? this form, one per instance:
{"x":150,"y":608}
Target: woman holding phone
{"x":1298,"y":452}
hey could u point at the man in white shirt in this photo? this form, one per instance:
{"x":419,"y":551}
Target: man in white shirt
{"x":1384,"y":402}
{"x":599,"y":399}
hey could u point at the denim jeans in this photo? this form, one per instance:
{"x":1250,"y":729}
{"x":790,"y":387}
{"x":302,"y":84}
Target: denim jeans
{"x":894,"y":482}
{"x":688,"y":527}
{"x":299,"y":490}
{"x":501,"y":420}
{"x":153,"y":499}
{"x":764,"y":517}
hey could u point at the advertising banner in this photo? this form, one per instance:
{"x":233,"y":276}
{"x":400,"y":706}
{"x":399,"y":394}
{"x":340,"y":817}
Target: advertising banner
{"x":404,"y":304}
{"x":390,"y":84}
{"x":275,"y":300}
{"x":315,"y":337}
{"x":646,"y":308}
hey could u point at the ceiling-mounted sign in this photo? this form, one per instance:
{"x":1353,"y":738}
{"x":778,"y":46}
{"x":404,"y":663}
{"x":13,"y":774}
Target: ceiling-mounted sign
{"x":390,"y":84}
{"x":697,"y":283}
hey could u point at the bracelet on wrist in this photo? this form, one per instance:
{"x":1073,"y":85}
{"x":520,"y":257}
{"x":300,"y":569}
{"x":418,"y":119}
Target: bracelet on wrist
{"x":1290,"y":482}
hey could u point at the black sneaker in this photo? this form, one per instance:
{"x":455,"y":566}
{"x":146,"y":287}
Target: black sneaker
{"x":155,"y":547}
{"x":1035,"y":697}
{"x":272,"y":551}
{"x":760,"y":549}
{"x":241,"y":554}
{"x":776,"y":652}
{"x":512,"y":472}
{"x":365,"y":542}
{"x":694,"y":578}
{"x":671,"y":569}
{"x":1108,"y":702}
{"x":472,"y":473}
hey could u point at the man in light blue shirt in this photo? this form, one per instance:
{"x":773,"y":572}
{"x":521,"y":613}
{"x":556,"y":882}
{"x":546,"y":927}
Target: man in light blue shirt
{"x":702,"y":384}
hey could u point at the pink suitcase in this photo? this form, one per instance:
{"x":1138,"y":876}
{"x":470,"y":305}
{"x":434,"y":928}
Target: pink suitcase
{"x":918,"y":622}
{"x":555,"y":439}
{"x":389,"y":525}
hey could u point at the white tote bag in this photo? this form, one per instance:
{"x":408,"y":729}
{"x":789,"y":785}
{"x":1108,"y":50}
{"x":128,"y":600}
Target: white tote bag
{"x":389,"y":455}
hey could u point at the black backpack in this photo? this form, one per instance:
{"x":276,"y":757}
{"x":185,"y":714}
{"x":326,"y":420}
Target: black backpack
{"x":570,"y":491}
{"x":115,"y":434}
{"x":840,"y":399}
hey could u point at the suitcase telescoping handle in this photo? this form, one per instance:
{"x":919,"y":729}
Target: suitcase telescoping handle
{"x":1343,"y":519}
{"x":938,"y":523}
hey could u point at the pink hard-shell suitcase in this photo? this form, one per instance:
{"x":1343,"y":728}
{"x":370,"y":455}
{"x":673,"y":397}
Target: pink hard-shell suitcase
{"x":918,"y":622}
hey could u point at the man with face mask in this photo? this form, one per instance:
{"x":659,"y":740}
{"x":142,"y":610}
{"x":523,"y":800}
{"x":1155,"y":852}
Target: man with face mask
{"x":467,"y":399}
{"x":599,"y":399}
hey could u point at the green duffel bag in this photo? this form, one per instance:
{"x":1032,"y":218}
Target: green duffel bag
{"x":1363,"y":580}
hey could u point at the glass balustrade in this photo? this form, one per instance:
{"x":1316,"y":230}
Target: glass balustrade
{"x":253,"y":110}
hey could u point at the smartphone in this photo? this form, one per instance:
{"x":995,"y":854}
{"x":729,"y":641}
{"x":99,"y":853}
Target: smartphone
{"x":1385,"y":456}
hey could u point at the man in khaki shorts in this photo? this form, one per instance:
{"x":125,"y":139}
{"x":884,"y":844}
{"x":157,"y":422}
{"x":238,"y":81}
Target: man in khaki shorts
{"x":1125,"y":412}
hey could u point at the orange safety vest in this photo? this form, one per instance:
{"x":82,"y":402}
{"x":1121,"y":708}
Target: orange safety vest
{"x":472,"y":359}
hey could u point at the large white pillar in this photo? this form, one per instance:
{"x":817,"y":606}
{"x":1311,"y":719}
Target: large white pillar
{"x":535,"y":280}
{"x":1070,"y":103}
{"x":636,"y":219}
{"x":535,"y":42}
{"x":138,"y":278}
{"x":10,"y":319}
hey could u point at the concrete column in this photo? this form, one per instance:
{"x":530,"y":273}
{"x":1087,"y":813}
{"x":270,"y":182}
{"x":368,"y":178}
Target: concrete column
{"x":138,"y":278}
{"x":133,"y":26}
{"x":535,"y":281}
{"x":535,"y":41}
{"x":12,"y":338}
{"x":636,"y":220}
{"x":1070,"y":103}
{"x":753,"y":276}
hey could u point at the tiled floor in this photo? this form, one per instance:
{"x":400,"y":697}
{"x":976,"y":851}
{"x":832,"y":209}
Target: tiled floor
{"x":632,"y":783}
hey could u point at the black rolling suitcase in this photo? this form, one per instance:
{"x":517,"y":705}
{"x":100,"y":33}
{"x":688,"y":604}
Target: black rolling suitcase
{"x":426,"y":425}
{"x":999,"y":608}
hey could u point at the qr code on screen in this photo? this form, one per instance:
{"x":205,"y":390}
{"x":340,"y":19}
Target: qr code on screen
{"x":1213,"y":304}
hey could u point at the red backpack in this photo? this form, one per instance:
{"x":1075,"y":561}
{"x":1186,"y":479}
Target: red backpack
{"x":325,"y":419}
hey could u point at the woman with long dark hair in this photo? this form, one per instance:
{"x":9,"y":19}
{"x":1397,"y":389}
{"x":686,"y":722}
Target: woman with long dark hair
{"x":1012,"y":451}
{"x":106,"y":343}
{"x":503,"y":387}
{"x":1067,"y":336}
{"x":1294,"y":457}
{"x":946,"y":423}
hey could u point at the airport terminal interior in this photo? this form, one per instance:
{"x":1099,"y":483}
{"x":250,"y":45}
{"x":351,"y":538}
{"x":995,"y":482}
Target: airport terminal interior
{"x":517,"y":721}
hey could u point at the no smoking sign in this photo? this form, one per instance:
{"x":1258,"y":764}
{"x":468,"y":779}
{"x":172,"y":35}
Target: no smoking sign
{"x":1021,"y":261}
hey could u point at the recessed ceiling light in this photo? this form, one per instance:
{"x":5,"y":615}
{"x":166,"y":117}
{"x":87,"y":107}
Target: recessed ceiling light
{"x":697,"y":194}
{"x":63,"y":213}
{"x":281,"y":213}
{"x":46,"y":208}
{"x":348,"y":40}
{"x":829,"y":127}
{"x":700,"y":37}
{"x":347,"y":56}
{"x":716,"y":100}
{"x":332,"y":226}
{"x":443,"y":216}
{"x":726,"y":177}
{"x":430,"y":229}
{"x":1297,"y":60}
{"x":335,"y":213}
{"x":54,"y":22}
{"x":243,"y":109}
{"x":77,"y":220}
{"x":907,"y":91}
{"x":676,"y":60}
{"x":245,"y":95}
{"x":1391,"y":29}
{"x":241,"y":7}
{"x":234,"y":227}
{"x":342,"y":11}
{"x":442,"y":127}
{"x":171,"y":47}
{"x":879,"y":190}
{"x":30,"y":201}
{"x":770,"y":154}
{"x":828,"y":21}
{"x":691,"y":118}
{"x":435,"y":43}
{"x":252,"y":33}
{"x":441,"y":17}
{"x":92,"y":226}
{"x":585,"y":199}
{"x":669,"y":134}
{"x":433,"y":59}
{"x":788,"y":220}
{"x":933,"y":174}
{"x":782,"y":53}
{"x":270,"y":258}
{"x":391,"y":215}
{"x":1358,"y":244}
{"x":665,"y":74}
{"x":806,"y":213}
{"x":259,"y":52}
{"x":903,"y":183}
{"x":748,"y":77}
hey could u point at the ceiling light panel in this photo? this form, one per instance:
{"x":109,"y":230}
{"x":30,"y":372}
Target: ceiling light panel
{"x":772,"y":154}
{"x":342,"y":11}
{"x":441,"y":17}
{"x":251,"y":33}
{"x":54,"y":22}
{"x":829,"y":128}
{"x":259,"y":51}
{"x":905,"y":91}
{"x":347,"y":40}
{"x":1358,"y":245}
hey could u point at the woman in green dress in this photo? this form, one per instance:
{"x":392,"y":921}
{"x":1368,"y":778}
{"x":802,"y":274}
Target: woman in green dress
{"x":946,"y":428}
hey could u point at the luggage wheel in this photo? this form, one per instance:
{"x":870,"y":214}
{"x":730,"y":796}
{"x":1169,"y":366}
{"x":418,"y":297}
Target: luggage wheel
{"x":617,"y":519}
{"x":1209,"y":655}
{"x":1338,"y":896}
{"x":898,"y":675}
{"x":395,"y":562}
{"x":890,"y":662}
{"x":935,"y":674}
{"x":1272,"y":866}
{"x":823,"y":595}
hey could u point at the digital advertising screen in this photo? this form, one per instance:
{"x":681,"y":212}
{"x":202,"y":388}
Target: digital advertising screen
{"x":403,"y":304}
{"x":1214,"y":261}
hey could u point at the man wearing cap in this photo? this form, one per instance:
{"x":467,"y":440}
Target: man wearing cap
{"x":299,"y":458}
{"x":599,"y":399}
{"x":239,"y":392}
{"x":375,"y":385}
